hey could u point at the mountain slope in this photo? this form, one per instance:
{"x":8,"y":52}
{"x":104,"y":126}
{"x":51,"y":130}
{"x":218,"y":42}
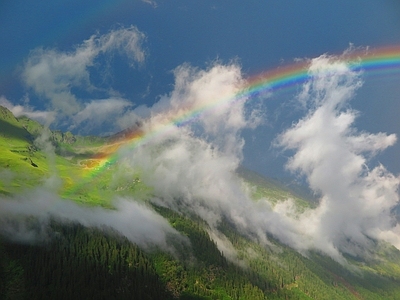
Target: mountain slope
{"x":31,"y":153}
{"x":75,"y":261}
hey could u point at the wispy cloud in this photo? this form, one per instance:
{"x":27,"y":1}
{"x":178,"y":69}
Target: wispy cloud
{"x":151,"y":2}
{"x":52,"y":74}
{"x":43,"y":117}
{"x":104,"y":113}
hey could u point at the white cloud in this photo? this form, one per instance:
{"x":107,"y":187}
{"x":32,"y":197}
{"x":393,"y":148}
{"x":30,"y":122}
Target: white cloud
{"x":191,"y":166}
{"x":152,"y":3}
{"x":207,"y":98}
{"x":355,"y":200}
{"x":136,"y":221}
{"x":43,"y":117}
{"x":52,"y":74}
{"x":106,"y":114}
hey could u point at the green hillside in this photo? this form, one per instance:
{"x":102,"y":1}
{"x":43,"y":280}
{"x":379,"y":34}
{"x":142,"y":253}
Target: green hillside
{"x":85,"y":263}
{"x":31,"y":153}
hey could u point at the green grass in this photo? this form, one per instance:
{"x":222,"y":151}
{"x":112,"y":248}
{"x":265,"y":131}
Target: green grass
{"x":27,"y":166}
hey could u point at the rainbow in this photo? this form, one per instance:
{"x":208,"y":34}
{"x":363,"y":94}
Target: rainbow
{"x":377,"y":62}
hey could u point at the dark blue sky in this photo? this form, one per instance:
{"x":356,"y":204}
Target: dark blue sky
{"x":260,"y":35}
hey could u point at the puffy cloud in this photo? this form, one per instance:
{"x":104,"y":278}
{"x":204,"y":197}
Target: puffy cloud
{"x":175,"y":161}
{"x":356,"y":201}
{"x":206,"y":99}
{"x":52,"y":74}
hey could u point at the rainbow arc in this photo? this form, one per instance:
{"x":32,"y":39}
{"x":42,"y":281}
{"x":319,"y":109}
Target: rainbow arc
{"x":385,"y":60}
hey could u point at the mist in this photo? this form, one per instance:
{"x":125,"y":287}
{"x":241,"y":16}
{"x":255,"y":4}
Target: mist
{"x":138,"y":222}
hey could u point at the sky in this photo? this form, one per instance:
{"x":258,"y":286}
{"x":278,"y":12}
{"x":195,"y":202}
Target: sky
{"x":179,"y":69}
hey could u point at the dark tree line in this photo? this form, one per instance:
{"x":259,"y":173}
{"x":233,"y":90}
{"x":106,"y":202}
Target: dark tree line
{"x":79,"y":263}
{"x":84,"y":263}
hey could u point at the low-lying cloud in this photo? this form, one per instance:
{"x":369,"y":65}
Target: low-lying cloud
{"x":136,"y":221}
